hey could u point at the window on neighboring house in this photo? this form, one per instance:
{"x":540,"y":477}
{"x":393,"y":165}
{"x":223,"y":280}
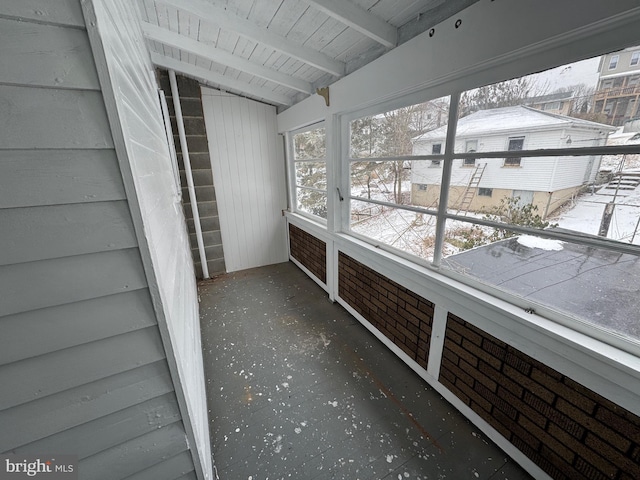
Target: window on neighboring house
{"x":422,"y":187}
{"x":553,"y":106}
{"x":515,"y":144}
{"x":470,"y":147}
{"x":436,"y":149}
{"x":613,"y":62}
{"x":635,"y":58}
{"x":608,"y":107}
{"x":309,"y":172}
{"x":485,"y":192}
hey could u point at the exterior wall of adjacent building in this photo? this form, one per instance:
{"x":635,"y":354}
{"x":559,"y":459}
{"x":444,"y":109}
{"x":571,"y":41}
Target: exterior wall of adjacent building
{"x":560,"y":176}
{"x":542,"y":174}
{"x":617,"y":94}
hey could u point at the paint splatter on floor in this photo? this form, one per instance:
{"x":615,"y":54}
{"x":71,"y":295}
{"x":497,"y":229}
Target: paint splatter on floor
{"x":309,"y":393}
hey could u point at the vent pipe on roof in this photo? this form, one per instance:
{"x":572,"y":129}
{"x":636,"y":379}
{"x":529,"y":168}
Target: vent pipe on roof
{"x":188,"y":172}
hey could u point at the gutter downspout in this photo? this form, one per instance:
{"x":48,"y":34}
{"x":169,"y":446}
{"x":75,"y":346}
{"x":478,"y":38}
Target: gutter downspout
{"x":188,"y":172}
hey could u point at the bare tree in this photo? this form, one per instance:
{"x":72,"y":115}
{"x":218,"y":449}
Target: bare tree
{"x":498,"y":95}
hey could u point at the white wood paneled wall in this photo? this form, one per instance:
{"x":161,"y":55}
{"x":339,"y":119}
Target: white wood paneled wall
{"x":249,"y":179}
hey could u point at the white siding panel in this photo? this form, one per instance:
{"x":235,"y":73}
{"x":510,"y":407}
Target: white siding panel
{"x":61,"y":12}
{"x":174,"y":467}
{"x":108,"y":431}
{"x":249,"y":179}
{"x":36,"y":115}
{"x":25,"y":424}
{"x":37,"y":332}
{"x":535,"y":173}
{"x":45,"y":55}
{"x":49,"y":177}
{"x":64,"y":230}
{"x":134,"y":455}
{"x":80,"y":349}
{"x":33,"y":285}
{"x":571,"y":172}
{"x":110,"y":356}
{"x":136,"y":119}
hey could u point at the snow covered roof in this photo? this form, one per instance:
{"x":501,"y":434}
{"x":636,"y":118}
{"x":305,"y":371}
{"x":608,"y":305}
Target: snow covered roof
{"x":511,"y":119}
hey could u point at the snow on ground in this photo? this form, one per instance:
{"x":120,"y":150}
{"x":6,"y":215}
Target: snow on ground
{"x":415,"y":232}
{"x":541,"y":243}
{"x":586,"y":214}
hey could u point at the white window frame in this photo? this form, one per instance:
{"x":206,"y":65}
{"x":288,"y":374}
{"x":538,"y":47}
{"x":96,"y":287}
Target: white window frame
{"x":613,"y":62}
{"x":470,"y":162}
{"x":519,"y":164}
{"x":635,"y":58}
{"x":291,"y":169}
{"x":573,"y":323}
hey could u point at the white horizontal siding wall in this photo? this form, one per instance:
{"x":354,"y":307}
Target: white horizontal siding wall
{"x":131,"y":96}
{"x":575,"y":171}
{"x":534,"y":173}
{"x":249,"y":179}
{"x":82,"y":362}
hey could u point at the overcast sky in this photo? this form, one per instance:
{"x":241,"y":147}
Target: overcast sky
{"x":585,"y":71}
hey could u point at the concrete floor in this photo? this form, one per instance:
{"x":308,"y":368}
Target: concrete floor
{"x":298,"y":388}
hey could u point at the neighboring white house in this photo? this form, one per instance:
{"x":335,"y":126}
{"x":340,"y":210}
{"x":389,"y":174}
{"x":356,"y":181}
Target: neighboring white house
{"x":546,"y":182}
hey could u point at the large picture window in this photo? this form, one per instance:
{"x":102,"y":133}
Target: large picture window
{"x":558,"y":234}
{"x":309,"y":171}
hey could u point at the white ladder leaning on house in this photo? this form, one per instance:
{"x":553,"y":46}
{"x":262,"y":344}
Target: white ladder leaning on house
{"x":472,"y":187}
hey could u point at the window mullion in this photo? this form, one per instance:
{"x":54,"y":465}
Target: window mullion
{"x":446,"y":178}
{"x":291,"y":172}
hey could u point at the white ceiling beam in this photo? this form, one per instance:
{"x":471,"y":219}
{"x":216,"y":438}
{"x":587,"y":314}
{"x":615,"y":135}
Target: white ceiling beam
{"x":209,"y":52}
{"x":228,"y":21}
{"x":220,"y":80}
{"x":359,"y":19}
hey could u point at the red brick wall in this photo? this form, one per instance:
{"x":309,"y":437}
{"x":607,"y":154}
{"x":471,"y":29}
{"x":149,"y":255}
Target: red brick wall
{"x":566,"y":429}
{"x":309,"y":251}
{"x":401,"y":315}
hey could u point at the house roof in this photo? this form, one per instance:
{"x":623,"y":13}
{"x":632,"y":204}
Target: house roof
{"x":279,"y":52}
{"x":511,"y":119}
{"x":591,"y":283}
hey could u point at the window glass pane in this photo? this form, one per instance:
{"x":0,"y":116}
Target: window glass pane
{"x":387,"y":181}
{"x":592,"y":284}
{"x":404,"y":230}
{"x":310,"y":145}
{"x":597,"y":195}
{"x":393,"y":133}
{"x":571,"y":106}
{"x":400,"y":182}
{"x":312,"y":201}
{"x":311,"y":174}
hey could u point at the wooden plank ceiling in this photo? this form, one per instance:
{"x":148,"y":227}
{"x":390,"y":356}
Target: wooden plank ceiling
{"x":280,"y":51}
